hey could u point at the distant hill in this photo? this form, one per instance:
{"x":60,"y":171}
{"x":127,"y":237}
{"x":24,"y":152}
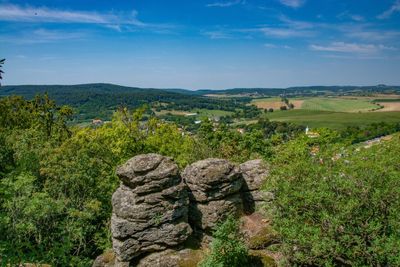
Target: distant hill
{"x":100,"y":100}
{"x":303,"y":90}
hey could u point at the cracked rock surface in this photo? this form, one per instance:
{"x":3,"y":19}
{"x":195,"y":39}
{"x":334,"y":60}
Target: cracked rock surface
{"x":150,"y":208}
{"x":214,"y":191}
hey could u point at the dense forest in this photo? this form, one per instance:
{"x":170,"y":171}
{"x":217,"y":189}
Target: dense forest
{"x":100,"y":100}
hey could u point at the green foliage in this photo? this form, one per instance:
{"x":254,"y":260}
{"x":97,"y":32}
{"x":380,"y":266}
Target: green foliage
{"x":56,"y":182}
{"x":257,"y":140}
{"x":336,"y":206}
{"x":227,"y":247}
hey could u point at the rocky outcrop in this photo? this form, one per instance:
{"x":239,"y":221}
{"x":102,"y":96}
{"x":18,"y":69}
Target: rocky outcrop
{"x":155,"y":210}
{"x":214,"y":191}
{"x":254,"y":173}
{"x":150,"y":208}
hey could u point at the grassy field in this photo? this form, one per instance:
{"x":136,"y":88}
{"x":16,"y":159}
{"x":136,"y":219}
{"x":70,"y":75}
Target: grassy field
{"x":173,"y":112}
{"x":211,"y":113}
{"x":334,"y":120}
{"x":338,"y":104}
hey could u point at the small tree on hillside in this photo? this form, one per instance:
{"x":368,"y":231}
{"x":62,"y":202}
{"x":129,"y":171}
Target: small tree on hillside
{"x":1,"y":71}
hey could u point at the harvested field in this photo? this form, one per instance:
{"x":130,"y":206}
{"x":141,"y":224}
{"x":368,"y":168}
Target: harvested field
{"x":276,"y":103}
{"x":389,"y":106}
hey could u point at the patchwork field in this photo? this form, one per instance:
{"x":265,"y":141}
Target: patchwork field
{"x":275,"y":103}
{"x":338,"y":104}
{"x":334,"y":120}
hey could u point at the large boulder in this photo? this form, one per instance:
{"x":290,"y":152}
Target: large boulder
{"x":254,"y":173}
{"x":150,"y":208}
{"x":214,"y":191}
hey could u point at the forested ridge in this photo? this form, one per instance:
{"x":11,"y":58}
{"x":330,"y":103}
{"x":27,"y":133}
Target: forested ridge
{"x":100,"y":100}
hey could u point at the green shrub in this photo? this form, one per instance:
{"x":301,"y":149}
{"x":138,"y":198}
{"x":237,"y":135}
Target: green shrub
{"x":338,"y":206}
{"x":227,"y":248}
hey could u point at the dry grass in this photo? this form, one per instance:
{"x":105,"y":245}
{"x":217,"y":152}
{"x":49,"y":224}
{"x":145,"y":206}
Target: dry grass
{"x":389,"y":106}
{"x":276,"y":103}
{"x":269,"y":104}
{"x":297,"y":103}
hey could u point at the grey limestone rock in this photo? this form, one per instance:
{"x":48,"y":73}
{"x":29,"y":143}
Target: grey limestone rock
{"x":254,"y":173}
{"x":212,"y":179}
{"x":214,"y":191}
{"x":150,"y":208}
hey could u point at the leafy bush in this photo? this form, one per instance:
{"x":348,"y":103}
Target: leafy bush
{"x":227,"y":248}
{"x":56,"y":181}
{"x":338,"y":206}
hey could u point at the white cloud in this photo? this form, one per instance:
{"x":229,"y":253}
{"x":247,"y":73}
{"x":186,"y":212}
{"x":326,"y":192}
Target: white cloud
{"x":284,"y":32}
{"x":373,"y":35}
{"x":217,"y":35}
{"x":293,"y":3}
{"x":348,"y":15}
{"x":225,"y":4}
{"x":351,"y":48}
{"x":296,"y":24}
{"x":268,"y":45}
{"x":32,"y":14}
{"x":393,"y":9}
{"x":16,"y":13}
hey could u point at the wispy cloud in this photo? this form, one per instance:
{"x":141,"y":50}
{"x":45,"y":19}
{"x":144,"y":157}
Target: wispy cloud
{"x":273,"y":46}
{"x":347,"y":15}
{"x":295,"y":24}
{"x":393,"y":9}
{"x":217,"y":34}
{"x":343,"y":47}
{"x":42,"y":35}
{"x":16,"y":13}
{"x":293,"y":3}
{"x":225,"y":4}
{"x":32,"y":14}
{"x":285,"y":32}
{"x":287,"y":28}
{"x":373,"y":35}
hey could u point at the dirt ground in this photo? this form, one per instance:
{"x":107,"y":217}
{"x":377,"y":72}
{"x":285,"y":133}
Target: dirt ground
{"x":277,"y":104}
{"x":389,"y":106}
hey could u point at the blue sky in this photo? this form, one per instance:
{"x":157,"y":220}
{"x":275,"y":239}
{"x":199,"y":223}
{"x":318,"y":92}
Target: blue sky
{"x":201,"y":43}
